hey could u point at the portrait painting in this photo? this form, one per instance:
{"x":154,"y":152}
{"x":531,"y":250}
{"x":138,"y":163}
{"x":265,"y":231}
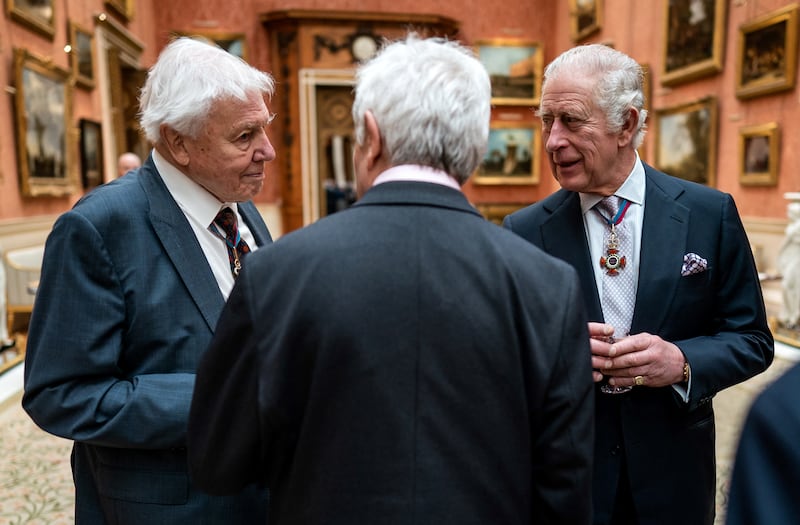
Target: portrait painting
{"x":511,"y":156}
{"x":43,"y":101}
{"x":585,"y":18}
{"x":767,"y":54}
{"x":515,"y":68}
{"x":82,"y":55}
{"x":91,"y":154}
{"x":686,"y":140}
{"x":694,"y":39}
{"x":37,"y":15}
{"x":759,"y":151}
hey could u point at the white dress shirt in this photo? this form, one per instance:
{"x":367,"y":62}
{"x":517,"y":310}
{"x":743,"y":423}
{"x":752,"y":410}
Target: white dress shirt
{"x":200,"y":208}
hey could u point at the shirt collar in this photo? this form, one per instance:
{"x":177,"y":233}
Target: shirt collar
{"x":195,"y":201}
{"x":631,"y":190}
{"x":416,"y":173}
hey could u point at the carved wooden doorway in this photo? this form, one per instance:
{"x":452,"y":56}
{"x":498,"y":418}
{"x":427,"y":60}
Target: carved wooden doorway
{"x":326,"y":142}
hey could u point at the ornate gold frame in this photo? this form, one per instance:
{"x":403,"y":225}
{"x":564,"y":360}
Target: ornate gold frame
{"x":755,"y":42}
{"x":43,"y":111}
{"x":81,"y":55}
{"x":759,"y":172}
{"x":692,"y":125}
{"x":501,"y":57}
{"x":586,"y":18}
{"x":23,"y":12}
{"x":123,"y":8}
{"x":689,"y":54}
{"x":511,"y":171}
{"x":224,"y":40}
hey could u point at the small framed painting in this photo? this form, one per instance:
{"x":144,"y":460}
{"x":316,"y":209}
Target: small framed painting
{"x":759,"y":152}
{"x":694,"y":34}
{"x":82,"y":55}
{"x":767,"y":54}
{"x":515,"y":68}
{"x":512,"y":154}
{"x":586,"y":18}
{"x":686,"y":140}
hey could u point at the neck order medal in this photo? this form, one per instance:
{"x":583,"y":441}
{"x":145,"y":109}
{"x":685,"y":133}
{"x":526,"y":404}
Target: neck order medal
{"x":612,"y":262}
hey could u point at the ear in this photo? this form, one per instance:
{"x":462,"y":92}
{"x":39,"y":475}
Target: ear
{"x":372,"y":140}
{"x":175,"y":144}
{"x":628,"y":131}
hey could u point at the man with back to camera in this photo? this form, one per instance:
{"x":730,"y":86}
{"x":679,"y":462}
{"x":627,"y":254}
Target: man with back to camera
{"x":671,"y":288}
{"x":404,"y":360}
{"x":133,"y":282}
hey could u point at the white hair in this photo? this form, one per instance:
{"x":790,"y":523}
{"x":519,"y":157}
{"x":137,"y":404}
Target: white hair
{"x":189,"y":76}
{"x":431,"y":99}
{"x":619,"y":82}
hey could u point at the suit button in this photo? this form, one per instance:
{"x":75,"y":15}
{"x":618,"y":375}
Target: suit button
{"x":616,"y":450}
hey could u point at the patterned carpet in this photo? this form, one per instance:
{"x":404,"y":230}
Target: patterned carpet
{"x":36,"y":480}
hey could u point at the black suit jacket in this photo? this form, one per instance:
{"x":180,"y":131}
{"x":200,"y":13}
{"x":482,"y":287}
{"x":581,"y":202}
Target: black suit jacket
{"x":403,"y":361}
{"x":717,"y":318}
{"x":126,"y":305}
{"x":766,"y":472}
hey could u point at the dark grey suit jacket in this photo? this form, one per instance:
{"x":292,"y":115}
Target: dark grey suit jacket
{"x":716,"y":318}
{"x":766,"y":472}
{"x":126,"y":306}
{"x":403,"y":361}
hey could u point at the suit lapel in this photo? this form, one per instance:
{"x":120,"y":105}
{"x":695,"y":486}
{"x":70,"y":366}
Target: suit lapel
{"x":563,"y":236}
{"x":664,"y":232}
{"x":255,"y":222}
{"x":181,"y":246}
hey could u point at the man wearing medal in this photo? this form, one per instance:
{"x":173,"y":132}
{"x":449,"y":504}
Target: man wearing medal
{"x":674,"y":255}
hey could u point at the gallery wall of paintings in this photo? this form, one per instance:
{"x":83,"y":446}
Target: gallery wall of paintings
{"x":720,"y":83}
{"x":720,"y":78}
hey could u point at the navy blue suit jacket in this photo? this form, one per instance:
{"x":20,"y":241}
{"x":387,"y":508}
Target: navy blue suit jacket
{"x":126,"y":306}
{"x":717,"y":318}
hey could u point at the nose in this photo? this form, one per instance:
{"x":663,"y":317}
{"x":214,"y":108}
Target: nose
{"x":264,"y":151}
{"x":555,"y":137}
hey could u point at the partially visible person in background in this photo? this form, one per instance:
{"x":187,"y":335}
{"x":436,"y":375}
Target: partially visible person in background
{"x":133,"y":282}
{"x":404,"y":360}
{"x":766,"y":470}
{"x":127,"y":162}
{"x":670,"y":286}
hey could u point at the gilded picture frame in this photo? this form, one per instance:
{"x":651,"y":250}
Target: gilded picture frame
{"x":515,"y":67}
{"x":586,"y":18}
{"x":233,"y":43}
{"x":44,"y":136}
{"x":81,"y":54}
{"x":694,"y":39}
{"x":91,"y":153}
{"x":686,"y":140}
{"x":759,"y":154}
{"x":37,"y":15}
{"x":512,"y":156}
{"x":767,"y":54}
{"x":647,"y":89}
{"x":123,"y":8}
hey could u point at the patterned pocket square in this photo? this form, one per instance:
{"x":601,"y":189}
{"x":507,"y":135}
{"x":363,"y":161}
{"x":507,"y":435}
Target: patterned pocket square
{"x":692,"y":264}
